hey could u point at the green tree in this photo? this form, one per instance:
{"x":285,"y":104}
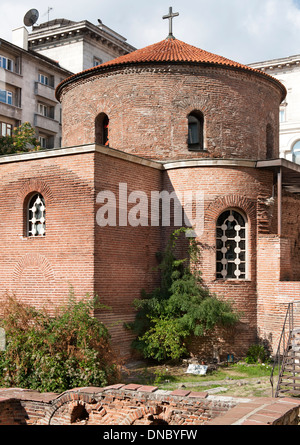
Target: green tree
{"x":23,"y":139}
{"x":182,"y":307}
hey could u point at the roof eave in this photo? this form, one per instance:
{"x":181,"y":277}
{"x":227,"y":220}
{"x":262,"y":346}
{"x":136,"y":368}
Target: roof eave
{"x":104,"y":68}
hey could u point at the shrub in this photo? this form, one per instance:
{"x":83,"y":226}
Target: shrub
{"x":180,"y":308}
{"x":257,"y":354}
{"x":56,"y":353}
{"x":23,"y":139}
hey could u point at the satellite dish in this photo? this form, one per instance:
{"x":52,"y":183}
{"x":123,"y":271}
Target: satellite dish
{"x":31,"y":17}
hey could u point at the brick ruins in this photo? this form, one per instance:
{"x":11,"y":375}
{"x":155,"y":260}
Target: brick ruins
{"x":133,"y":405}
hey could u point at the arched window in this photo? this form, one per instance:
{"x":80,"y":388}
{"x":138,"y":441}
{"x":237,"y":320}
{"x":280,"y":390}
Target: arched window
{"x":102,"y":129}
{"x":36,"y":216}
{"x":231,"y":245}
{"x":296,"y":152}
{"x":195,"y":131}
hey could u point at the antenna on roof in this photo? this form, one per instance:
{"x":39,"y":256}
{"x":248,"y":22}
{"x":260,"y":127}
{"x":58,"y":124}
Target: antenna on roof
{"x":48,"y":11}
{"x":31,"y":17}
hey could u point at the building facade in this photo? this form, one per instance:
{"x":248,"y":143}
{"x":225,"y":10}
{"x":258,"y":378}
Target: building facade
{"x":287,"y":71}
{"x":167,"y":120}
{"x":35,"y":63}
{"x":77,"y":45}
{"x":27,"y":92}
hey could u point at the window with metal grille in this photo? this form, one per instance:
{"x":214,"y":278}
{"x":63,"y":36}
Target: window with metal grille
{"x":231,"y":246}
{"x":36,"y":216}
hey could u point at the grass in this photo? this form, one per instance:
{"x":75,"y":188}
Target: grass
{"x":235,"y":372}
{"x":233,"y":377}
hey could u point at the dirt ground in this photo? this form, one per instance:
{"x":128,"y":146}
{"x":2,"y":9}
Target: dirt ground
{"x":161,"y":376}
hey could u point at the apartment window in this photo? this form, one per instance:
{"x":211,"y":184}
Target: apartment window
{"x":43,"y":79}
{"x":6,"y":129}
{"x":36,"y":216}
{"x":46,"y":110}
{"x":231,"y":245}
{"x":43,"y":109}
{"x":6,"y":63}
{"x":46,"y":141}
{"x":6,"y":97}
{"x":43,"y":141}
{"x":97,"y":61}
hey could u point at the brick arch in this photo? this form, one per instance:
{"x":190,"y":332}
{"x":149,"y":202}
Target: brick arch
{"x":231,"y":201}
{"x":33,"y":260}
{"x":30,"y":186}
{"x":72,"y":399}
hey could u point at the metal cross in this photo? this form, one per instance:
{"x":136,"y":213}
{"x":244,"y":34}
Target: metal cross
{"x":170,"y":16}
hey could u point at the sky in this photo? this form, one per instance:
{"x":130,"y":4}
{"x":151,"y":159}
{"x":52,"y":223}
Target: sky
{"x":245,"y":31}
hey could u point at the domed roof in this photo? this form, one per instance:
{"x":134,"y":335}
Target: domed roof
{"x":171,"y":50}
{"x":167,"y":51}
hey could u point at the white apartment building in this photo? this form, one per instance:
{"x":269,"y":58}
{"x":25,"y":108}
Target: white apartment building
{"x":27,"y":92}
{"x":77,"y":45}
{"x":35,"y":63}
{"x":287,"y":71}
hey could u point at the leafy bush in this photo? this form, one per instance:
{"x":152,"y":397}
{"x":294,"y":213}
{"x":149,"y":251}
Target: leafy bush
{"x":56,"y":353}
{"x":257,"y":354}
{"x":180,"y":308}
{"x":23,"y":139}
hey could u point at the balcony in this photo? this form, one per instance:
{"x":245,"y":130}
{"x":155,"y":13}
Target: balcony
{"x":46,"y":123}
{"x":11,"y":111}
{"x":11,"y":77}
{"x":45,"y":91}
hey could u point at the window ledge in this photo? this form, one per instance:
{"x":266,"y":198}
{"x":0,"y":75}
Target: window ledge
{"x":232,"y":281}
{"x":201,"y":150}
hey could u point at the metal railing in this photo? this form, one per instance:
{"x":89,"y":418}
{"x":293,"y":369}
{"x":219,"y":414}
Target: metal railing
{"x":283,"y":345}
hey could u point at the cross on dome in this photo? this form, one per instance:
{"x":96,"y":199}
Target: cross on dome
{"x":170,"y":16}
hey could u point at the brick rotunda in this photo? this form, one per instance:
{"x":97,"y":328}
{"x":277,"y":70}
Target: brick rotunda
{"x":166,"y":118}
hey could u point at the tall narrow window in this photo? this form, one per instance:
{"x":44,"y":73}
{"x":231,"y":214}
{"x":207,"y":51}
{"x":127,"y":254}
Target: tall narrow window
{"x":269,"y":142}
{"x":195,"y":131}
{"x":102,"y":129}
{"x":296,"y":152}
{"x":36,"y":216}
{"x":231,"y":246}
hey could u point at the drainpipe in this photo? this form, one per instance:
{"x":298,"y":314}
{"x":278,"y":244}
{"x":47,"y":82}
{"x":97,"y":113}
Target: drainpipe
{"x":279,"y":199}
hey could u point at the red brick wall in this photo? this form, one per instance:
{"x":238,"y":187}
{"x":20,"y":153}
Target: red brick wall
{"x":273,"y":294}
{"x":148,"y":109}
{"x":125,"y":256}
{"x":118,"y":262}
{"x":40,"y":270}
{"x":291,"y":230}
{"x":225,"y":188}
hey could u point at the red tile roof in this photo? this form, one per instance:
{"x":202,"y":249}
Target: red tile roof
{"x":170,"y":51}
